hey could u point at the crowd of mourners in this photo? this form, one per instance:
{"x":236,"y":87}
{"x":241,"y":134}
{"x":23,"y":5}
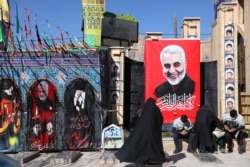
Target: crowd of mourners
{"x":209,"y":133}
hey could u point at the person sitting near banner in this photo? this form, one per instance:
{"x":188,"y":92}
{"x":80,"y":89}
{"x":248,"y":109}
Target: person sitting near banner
{"x":234,"y":125}
{"x":219,"y":140}
{"x":173,"y":61}
{"x":183,"y":129}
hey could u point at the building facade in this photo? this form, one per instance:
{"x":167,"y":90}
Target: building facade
{"x":228,"y":46}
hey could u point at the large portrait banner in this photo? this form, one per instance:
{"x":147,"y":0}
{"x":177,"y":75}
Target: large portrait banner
{"x":172,"y":76}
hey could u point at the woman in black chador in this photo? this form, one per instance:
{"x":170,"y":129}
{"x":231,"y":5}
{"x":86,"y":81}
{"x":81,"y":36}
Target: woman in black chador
{"x":144,"y":144}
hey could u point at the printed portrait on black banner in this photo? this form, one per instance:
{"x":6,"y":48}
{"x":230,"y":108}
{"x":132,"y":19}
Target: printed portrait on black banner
{"x":79,"y":101}
{"x":42,"y":107}
{"x":10,"y":115}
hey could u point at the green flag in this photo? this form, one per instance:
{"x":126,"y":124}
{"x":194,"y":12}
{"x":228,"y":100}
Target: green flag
{"x":1,"y":34}
{"x":17,"y":20}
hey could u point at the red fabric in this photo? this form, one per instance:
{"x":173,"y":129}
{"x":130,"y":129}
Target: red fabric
{"x":11,"y":42}
{"x":61,"y":33}
{"x":26,"y":30}
{"x":27,"y":13}
{"x":154,"y":75}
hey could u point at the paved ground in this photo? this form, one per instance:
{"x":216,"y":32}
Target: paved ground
{"x":106,"y":159}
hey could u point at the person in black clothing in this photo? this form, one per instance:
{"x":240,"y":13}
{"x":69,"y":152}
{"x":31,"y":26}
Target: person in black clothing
{"x":144,"y":144}
{"x":205,"y":123}
{"x":134,"y":119}
{"x":173,"y":61}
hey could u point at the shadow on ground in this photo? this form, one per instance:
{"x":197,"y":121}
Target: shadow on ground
{"x":171,"y":160}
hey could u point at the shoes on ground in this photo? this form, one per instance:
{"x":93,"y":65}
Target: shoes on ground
{"x":222,"y":150}
{"x":176,"y":151}
{"x":230,"y":150}
{"x":202,"y":151}
{"x":167,"y":157}
{"x":190,"y":151}
{"x":241,"y":152}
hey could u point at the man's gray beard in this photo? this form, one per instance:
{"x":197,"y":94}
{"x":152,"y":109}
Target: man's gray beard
{"x":177,"y":81}
{"x":43,"y":98}
{"x":8,"y":92}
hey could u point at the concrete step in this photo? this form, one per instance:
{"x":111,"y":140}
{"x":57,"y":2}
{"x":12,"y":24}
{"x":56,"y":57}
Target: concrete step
{"x":169,"y":147}
{"x":108,"y":158}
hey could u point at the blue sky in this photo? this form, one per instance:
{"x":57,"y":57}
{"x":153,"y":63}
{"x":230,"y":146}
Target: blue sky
{"x":152,"y":15}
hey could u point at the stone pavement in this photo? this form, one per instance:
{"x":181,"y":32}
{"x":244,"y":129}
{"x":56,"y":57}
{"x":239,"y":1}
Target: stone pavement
{"x":106,"y":159}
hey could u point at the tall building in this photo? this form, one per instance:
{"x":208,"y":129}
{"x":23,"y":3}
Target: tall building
{"x":191,"y":27}
{"x":230,"y":48}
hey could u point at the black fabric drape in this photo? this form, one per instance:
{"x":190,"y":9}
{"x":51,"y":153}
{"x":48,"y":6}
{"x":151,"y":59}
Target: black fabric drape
{"x":209,"y":85}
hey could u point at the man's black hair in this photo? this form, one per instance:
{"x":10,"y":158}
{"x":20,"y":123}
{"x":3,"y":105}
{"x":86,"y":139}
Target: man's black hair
{"x":229,"y":30}
{"x":184,"y":118}
{"x":233,"y":113}
{"x":6,"y":84}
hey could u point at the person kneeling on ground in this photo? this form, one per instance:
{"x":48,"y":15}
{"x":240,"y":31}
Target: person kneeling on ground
{"x":183,"y":129}
{"x":234,"y":125}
